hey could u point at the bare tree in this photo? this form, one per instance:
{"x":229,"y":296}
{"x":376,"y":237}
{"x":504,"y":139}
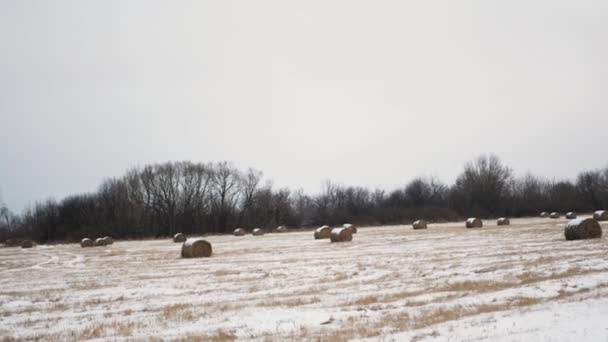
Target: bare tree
{"x":418,"y":192}
{"x":249,"y":184}
{"x":161,"y":199}
{"x":530,"y":195}
{"x":281,"y":206}
{"x":162,"y":182}
{"x":304,"y":208}
{"x":589,"y":185}
{"x":262,"y":213}
{"x":226,"y":191}
{"x":5,"y":215}
{"x":195,"y":198}
{"x":483,"y":186}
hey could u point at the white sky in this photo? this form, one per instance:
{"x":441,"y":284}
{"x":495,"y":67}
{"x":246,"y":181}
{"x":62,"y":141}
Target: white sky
{"x":367,"y":93}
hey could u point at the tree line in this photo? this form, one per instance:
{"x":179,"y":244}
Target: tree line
{"x":159,"y":200}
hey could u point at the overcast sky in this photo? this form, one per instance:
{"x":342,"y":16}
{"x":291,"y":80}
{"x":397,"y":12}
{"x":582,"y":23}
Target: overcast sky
{"x":367,"y":93}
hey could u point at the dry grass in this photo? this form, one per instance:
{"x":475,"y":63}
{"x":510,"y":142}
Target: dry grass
{"x":119,"y":328}
{"x":429,"y":317}
{"x":61,"y":307}
{"x":85,"y":285}
{"x":290,"y":302}
{"x":125,"y":329}
{"x":532,"y":277}
{"x":218,"y":336}
{"x":474,"y":286}
{"x":387,"y":280}
{"x":178,"y":312}
{"x":367,"y":300}
{"x":375,"y":299}
{"x":339,"y":276}
{"x":425,"y":318}
{"x":93,"y":331}
{"x":220,"y":273}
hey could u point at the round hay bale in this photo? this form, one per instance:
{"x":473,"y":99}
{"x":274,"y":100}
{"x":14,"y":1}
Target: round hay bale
{"x":420,"y":224}
{"x":351,"y":227}
{"x":239,"y":232}
{"x":474,"y":222}
{"x":570,"y":215}
{"x":583,"y":228}
{"x":323,"y":233}
{"x":503,"y":221}
{"x":280,"y":229}
{"x":341,"y":235}
{"x":27,"y":244}
{"x":86,"y":243}
{"x":554,"y":215}
{"x":100,"y":242}
{"x":196,"y":248}
{"x":544,"y":214}
{"x":258,"y":231}
{"x":179,"y":237}
{"x":601,"y":215}
{"x":107,"y":240}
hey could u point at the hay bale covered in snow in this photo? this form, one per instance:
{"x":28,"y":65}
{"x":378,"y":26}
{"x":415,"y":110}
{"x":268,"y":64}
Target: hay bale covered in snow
{"x":100,"y":242}
{"x":280,"y":229}
{"x":86,"y":243}
{"x":583,"y":228}
{"x":27,"y":244}
{"x":544,"y":214}
{"x":107,"y":240}
{"x":503,"y":221}
{"x":473,"y":222}
{"x":420,"y":224}
{"x":323,"y":233}
{"x":196,"y":248}
{"x":554,"y":215}
{"x":179,"y":238}
{"x":258,"y":231}
{"x":341,"y":235}
{"x":351,"y":227}
{"x":601,"y":215}
{"x":570,"y":215}
{"x":239,"y":232}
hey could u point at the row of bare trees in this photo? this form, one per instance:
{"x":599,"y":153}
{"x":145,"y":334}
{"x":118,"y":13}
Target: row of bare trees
{"x":196,"y":198}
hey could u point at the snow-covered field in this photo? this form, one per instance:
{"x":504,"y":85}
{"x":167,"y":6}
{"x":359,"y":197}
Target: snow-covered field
{"x":523,"y":282}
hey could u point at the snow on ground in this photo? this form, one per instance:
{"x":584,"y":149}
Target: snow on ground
{"x":583,"y":320}
{"x":520,"y":282}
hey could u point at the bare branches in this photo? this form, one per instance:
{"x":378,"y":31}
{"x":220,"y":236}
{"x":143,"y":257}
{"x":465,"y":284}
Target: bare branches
{"x":197,"y":198}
